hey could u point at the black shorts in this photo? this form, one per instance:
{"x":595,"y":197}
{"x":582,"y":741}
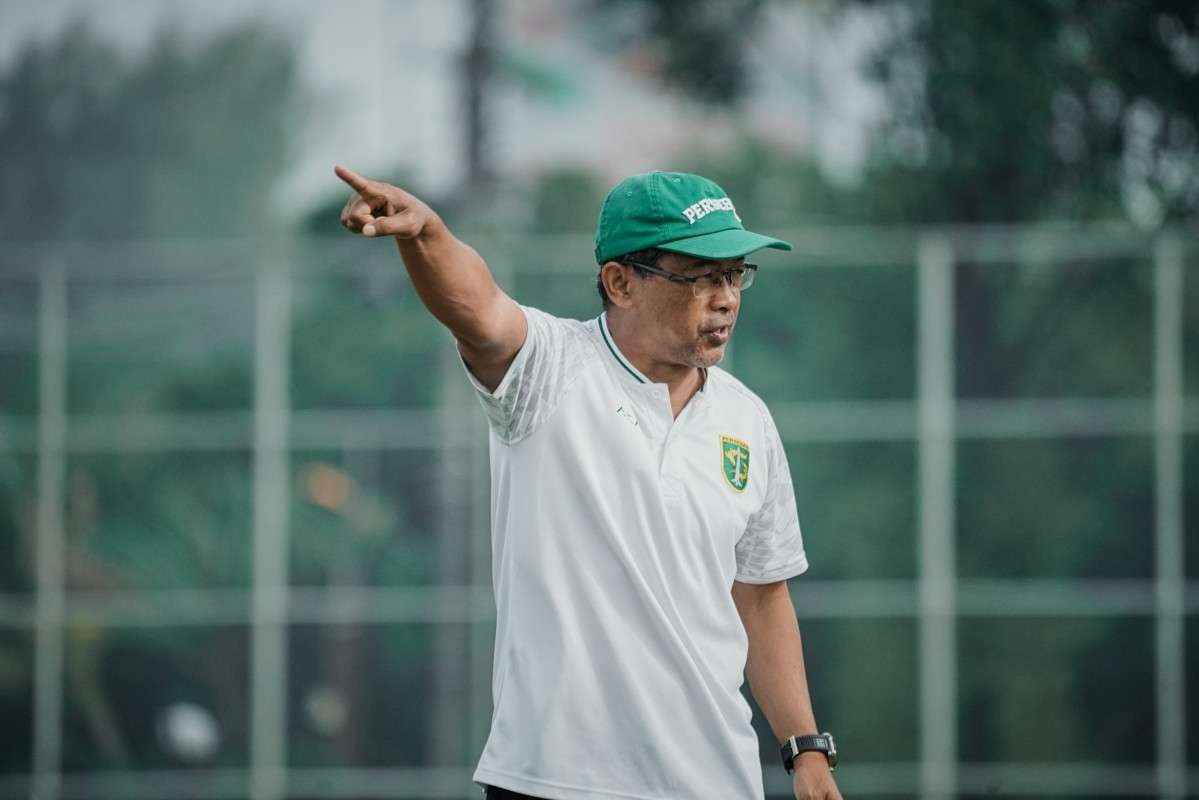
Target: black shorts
{"x":496,"y":793}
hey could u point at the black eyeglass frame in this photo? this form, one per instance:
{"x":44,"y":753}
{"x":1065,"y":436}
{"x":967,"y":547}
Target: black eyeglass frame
{"x":744,"y":269}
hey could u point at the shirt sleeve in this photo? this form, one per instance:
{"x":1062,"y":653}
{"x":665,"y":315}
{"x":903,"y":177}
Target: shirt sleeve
{"x":544,"y":368}
{"x":771,"y":549}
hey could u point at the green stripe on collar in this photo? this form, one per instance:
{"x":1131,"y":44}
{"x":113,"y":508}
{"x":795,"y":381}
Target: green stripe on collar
{"x":616,"y":355}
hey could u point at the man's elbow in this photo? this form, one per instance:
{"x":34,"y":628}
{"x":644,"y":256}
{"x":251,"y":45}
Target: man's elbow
{"x":490,"y":328}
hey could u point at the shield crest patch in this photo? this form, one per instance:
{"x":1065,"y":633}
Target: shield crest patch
{"x":734,"y":462}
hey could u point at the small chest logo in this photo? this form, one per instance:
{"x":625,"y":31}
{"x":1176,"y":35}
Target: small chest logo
{"x":734,"y":462}
{"x":628,"y":416}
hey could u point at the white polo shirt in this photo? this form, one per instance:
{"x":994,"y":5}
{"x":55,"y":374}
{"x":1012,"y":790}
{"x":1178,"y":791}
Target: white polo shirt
{"x":617,"y":532}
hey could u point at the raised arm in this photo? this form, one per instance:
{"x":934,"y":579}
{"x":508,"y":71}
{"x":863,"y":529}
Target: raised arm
{"x":453,"y":280}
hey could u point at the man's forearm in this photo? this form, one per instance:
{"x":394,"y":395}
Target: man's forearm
{"x":453,"y":282}
{"x":775,"y":665}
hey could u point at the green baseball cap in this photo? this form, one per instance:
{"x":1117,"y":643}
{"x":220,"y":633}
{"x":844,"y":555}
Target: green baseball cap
{"x":674,"y":211}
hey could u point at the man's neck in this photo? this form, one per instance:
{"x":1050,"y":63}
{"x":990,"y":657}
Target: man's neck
{"x":682,"y":381}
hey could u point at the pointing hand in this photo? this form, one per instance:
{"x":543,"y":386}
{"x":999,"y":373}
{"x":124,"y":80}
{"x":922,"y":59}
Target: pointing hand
{"x":380,"y":209}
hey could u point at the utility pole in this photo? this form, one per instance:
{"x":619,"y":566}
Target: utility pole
{"x":478,"y":63}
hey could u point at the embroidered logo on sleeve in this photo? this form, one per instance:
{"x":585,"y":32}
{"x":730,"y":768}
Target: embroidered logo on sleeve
{"x":734,"y":462}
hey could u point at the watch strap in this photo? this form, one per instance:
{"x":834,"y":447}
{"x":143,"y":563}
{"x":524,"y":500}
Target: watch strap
{"x":820,"y":742}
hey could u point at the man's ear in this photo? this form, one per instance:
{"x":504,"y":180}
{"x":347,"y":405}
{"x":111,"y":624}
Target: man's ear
{"x":617,"y":279}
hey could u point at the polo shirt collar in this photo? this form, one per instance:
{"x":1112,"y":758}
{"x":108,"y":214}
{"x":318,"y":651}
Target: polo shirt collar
{"x":614,"y":351}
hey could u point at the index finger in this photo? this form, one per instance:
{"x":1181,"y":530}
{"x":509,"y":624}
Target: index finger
{"x":356,"y":181}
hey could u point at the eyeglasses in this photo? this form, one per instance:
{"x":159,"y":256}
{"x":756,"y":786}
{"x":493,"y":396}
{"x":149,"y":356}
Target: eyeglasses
{"x":738,"y":278}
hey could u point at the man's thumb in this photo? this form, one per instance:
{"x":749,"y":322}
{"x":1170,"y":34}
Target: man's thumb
{"x":400,"y":225}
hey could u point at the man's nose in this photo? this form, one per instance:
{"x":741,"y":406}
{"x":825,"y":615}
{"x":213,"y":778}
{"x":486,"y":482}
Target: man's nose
{"x":725,"y":297}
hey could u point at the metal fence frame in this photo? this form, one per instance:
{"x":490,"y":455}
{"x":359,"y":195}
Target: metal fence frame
{"x":935,"y":419}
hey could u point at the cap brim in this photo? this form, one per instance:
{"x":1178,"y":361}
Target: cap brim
{"x":731,"y":243}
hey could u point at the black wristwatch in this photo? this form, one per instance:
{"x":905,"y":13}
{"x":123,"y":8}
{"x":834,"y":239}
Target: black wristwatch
{"x":821,"y":743}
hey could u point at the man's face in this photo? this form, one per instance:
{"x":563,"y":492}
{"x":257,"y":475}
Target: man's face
{"x":683,"y":326}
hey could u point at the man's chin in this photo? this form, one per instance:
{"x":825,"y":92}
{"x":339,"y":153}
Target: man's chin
{"x":709,"y":357}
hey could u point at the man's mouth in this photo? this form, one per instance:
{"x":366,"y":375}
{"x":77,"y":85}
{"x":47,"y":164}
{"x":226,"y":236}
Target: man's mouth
{"x":716,"y":334}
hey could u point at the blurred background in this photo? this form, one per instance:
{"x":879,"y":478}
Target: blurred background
{"x":243,"y":484}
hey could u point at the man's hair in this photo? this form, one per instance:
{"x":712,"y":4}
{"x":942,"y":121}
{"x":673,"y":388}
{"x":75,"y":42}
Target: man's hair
{"x":649,"y":257}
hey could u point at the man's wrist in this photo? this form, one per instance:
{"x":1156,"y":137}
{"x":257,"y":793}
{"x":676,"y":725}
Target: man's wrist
{"x":801,"y":751}
{"x":811,"y":758}
{"x":432,"y":227}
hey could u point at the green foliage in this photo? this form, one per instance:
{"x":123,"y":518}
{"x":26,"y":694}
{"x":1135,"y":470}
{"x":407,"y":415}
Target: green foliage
{"x":1020,"y":111}
{"x":857,"y":509}
{"x":1044,"y":508}
{"x":827,"y":334}
{"x":386,"y":687}
{"x":18,"y":345}
{"x":863,"y":675}
{"x":1013,"y":668}
{"x":119,"y":683}
{"x":17,"y":479}
{"x":1074,"y":329}
{"x":162,"y":522}
{"x":569,"y":290}
{"x":697,"y":46}
{"x":16,"y":700}
{"x":356,"y":345}
{"x":186,"y":142}
{"x":566,"y":200}
{"x":169,"y":345}
{"x":382,"y":532}
{"x":774,"y":188}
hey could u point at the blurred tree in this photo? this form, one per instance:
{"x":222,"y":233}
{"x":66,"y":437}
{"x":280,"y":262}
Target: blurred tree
{"x":998,"y":112}
{"x":1007,"y":112}
{"x":772,"y":186}
{"x":696,"y":46}
{"x":185,"y":142}
{"x":566,"y":200}
{"x":1004,"y":111}
{"x":1045,"y":110}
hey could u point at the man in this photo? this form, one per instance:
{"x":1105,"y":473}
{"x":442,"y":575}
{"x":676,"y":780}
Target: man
{"x":643,"y":518}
